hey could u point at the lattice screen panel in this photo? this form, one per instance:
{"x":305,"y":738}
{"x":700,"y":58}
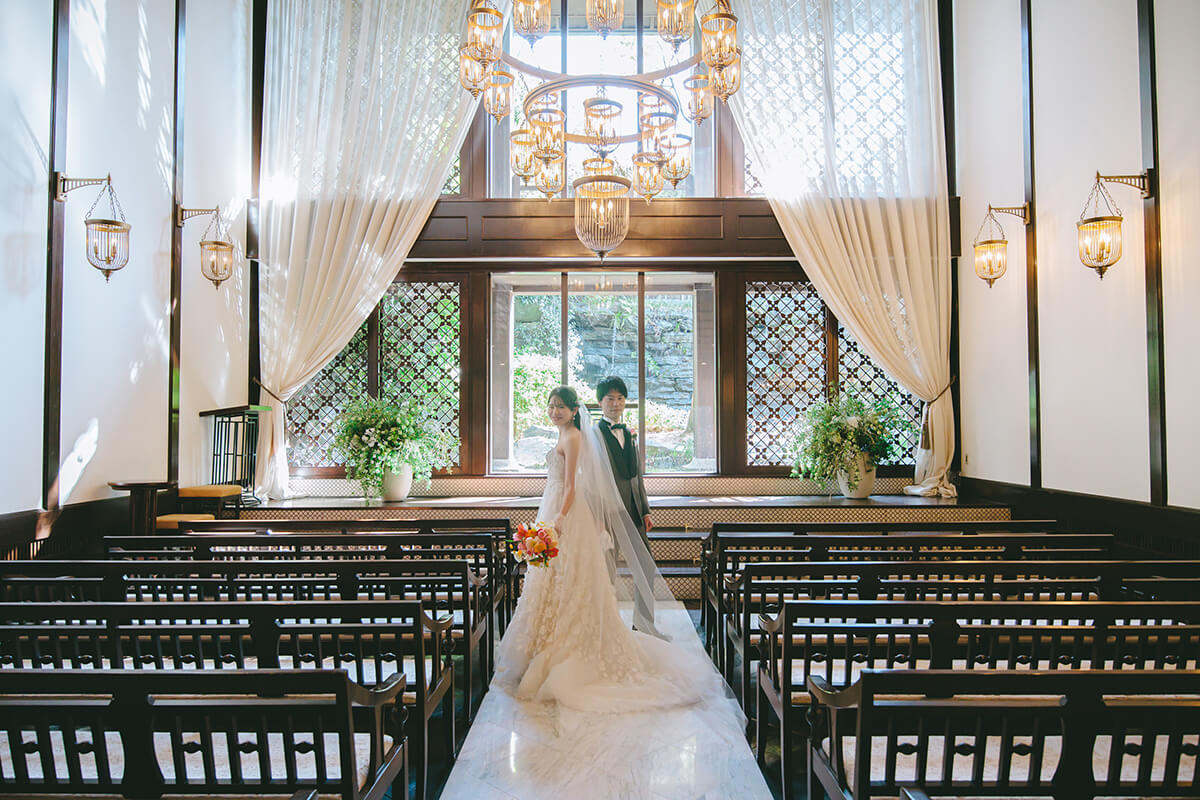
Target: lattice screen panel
{"x":857,"y":373}
{"x":419,"y":348}
{"x":752,"y":185}
{"x":785,"y":364}
{"x":312,"y":412}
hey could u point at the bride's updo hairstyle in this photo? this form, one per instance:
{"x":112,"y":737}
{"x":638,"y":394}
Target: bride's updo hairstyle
{"x":569,"y":398}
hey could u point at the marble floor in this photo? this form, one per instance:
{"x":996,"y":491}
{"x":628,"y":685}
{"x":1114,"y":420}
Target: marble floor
{"x":527,"y":751}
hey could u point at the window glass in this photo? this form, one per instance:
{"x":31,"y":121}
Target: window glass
{"x":857,"y":373}
{"x":602,"y":335}
{"x":526,"y":323}
{"x":313,"y":411}
{"x":681,"y":430}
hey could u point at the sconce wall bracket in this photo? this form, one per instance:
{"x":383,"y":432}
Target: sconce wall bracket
{"x":1021,"y":211}
{"x":183,"y":214}
{"x":63,"y":184}
{"x":1141,"y":181}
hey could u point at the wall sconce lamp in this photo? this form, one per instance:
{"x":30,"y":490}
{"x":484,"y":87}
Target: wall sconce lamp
{"x":216,"y":252}
{"x":107,"y":244}
{"x":1100,"y":244}
{"x":991,"y":248}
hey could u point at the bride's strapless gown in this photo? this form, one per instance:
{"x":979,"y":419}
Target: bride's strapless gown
{"x":569,"y":643}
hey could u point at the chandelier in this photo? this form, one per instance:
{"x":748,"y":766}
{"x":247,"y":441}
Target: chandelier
{"x":538,"y":151}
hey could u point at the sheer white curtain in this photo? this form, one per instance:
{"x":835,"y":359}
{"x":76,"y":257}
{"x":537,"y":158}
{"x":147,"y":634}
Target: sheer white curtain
{"x":841,"y":113}
{"x":362,"y":117}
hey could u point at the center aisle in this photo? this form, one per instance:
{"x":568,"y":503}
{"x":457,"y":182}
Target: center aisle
{"x":529,"y":751}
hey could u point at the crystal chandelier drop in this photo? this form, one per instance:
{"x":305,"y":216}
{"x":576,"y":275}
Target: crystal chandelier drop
{"x":676,"y":19}
{"x":601,"y":212}
{"x":538,"y":151}
{"x":531,"y":19}
{"x":605,"y":16}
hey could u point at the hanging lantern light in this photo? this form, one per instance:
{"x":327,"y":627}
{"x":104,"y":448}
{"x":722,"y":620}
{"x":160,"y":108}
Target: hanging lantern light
{"x":497,"y":97}
{"x":485,"y":24}
{"x":605,"y":16}
{"x":647,"y":175}
{"x":551,"y":177}
{"x":531,"y":19}
{"x":676,"y":19}
{"x":991,"y":249}
{"x":216,"y":253}
{"x":601,"y":212}
{"x":700,"y":98}
{"x":1099,"y":229}
{"x":520,"y":153}
{"x":725,"y":81}
{"x":599,"y":166}
{"x":678,"y":163}
{"x":472,"y":75}
{"x":718,"y":36}
{"x":657,"y":128}
{"x":548,"y":126}
{"x":600,"y":118}
{"x":107,"y":238}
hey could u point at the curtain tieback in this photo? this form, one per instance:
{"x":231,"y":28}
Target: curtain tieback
{"x":924,"y":445}
{"x":268,"y":391}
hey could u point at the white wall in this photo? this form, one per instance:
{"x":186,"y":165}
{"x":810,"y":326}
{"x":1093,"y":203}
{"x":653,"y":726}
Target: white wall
{"x":216,"y":170}
{"x":1095,"y":418}
{"x":115,"y":335}
{"x":1179,"y":157}
{"x":992,"y":321}
{"x":25,"y":56}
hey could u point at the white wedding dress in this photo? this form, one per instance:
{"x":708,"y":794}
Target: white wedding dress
{"x":569,"y":643}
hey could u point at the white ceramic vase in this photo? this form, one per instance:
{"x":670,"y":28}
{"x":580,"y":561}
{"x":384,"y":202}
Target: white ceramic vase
{"x":396,"y":485}
{"x":866,"y":479}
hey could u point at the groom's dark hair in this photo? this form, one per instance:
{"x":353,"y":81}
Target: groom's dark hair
{"x":609,"y":384}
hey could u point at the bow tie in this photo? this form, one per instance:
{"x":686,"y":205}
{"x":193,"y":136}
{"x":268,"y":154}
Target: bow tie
{"x":617,"y":426}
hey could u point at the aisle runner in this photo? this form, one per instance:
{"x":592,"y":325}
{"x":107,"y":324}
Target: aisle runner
{"x":525,"y":751}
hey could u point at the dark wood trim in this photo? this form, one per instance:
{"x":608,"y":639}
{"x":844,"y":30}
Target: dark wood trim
{"x":731,"y":366}
{"x":258,"y":73}
{"x":1155,"y":352}
{"x":476,"y":344}
{"x":373,"y":354}
{"x":55,"y":219}
{"x":474,"y":166}
{"x":832,"y":367}
{"x":71,"y":531}
{"x":1165,"y":530}
{"x":949,"y":116}
{"x":1031,"y":264}
{"x":512,"y":228}
{"x":176,"y":277}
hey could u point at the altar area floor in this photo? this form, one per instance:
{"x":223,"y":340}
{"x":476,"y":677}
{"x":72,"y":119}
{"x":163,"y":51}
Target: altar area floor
{"x":527,"y":751}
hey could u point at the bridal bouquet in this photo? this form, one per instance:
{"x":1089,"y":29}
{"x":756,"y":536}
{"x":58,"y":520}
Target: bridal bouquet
{"x":536,"y":544}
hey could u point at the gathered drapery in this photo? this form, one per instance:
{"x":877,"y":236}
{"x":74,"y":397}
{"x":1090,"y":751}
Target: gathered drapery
{"x":841,"y":113}
{"x":363,"y":115}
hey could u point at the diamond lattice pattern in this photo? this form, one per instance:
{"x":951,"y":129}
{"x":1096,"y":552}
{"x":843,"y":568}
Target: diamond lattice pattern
{"x":785,"y":364}
{"x":312,"y":412}
{"x":857,"y":373}
{"x":419,"y":358}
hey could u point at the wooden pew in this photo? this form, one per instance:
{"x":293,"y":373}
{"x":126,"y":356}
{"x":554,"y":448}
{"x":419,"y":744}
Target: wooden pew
{"x":500,"y":529}
{"x":442,"y":586}
{"x":235,"y":733}
{"x":838,"y":639}
{"x":1065,"y":735}
{"x":764,"y":586}
{"x":730,"y":551}
{"x":370,"y":640}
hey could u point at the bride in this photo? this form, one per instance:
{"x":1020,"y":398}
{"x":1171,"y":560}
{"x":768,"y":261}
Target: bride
{"x":568,"y":641}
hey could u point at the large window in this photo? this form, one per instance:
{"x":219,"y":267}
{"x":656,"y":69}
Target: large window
{"x":797,"y":353}
{"x":585,"y":52}
{"x":578,"y":328}
{"x":484,"y":372}
{"x":408,"y":350}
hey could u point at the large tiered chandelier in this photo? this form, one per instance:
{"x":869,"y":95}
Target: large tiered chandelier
{"x":538,"y":152}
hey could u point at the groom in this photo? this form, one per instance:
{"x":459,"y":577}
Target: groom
{"x":623,"y":458}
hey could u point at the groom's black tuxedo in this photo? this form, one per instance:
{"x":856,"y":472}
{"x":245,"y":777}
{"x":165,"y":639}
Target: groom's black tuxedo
{"x":627,"y":474}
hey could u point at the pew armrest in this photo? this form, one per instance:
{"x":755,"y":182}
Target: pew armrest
{"x":912,"y":793}
{"x":380,"y":694}
{"x":305,"y":794}
{"x":826,"y":695}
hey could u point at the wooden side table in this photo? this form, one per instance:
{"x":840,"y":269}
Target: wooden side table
{"x":143,"y":503}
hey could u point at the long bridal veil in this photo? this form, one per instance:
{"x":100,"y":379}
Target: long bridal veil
{"x":638,"y":580}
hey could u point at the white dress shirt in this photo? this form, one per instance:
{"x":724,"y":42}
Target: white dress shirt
{"x":619,"y":434}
